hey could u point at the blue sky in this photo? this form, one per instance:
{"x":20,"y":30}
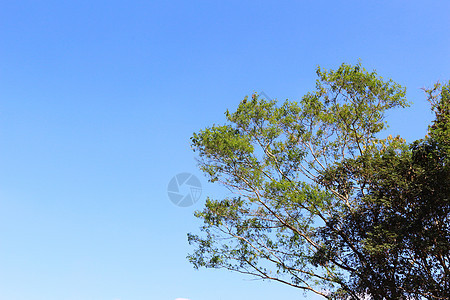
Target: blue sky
{"x":98,"y":100}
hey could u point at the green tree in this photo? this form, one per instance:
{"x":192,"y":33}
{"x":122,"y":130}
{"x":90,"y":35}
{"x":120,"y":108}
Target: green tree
{"x":402,"y":224}
{"x":320,"y":203}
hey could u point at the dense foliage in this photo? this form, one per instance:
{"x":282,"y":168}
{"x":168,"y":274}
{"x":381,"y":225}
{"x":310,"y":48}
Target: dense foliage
{"x":320,"y":202}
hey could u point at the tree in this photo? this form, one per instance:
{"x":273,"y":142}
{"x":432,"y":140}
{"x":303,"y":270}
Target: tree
{"x":402,"y":224}
{"x":320,"y":203}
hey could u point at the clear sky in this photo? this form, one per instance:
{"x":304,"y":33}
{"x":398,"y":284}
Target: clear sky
{"x":98,"y":100}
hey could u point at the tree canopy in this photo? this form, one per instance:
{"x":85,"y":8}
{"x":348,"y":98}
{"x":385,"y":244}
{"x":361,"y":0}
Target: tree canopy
{"x":322,"y":203}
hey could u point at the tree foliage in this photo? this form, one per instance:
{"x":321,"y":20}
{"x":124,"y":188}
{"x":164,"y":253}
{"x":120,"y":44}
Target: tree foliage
{"x":320,"y":202}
